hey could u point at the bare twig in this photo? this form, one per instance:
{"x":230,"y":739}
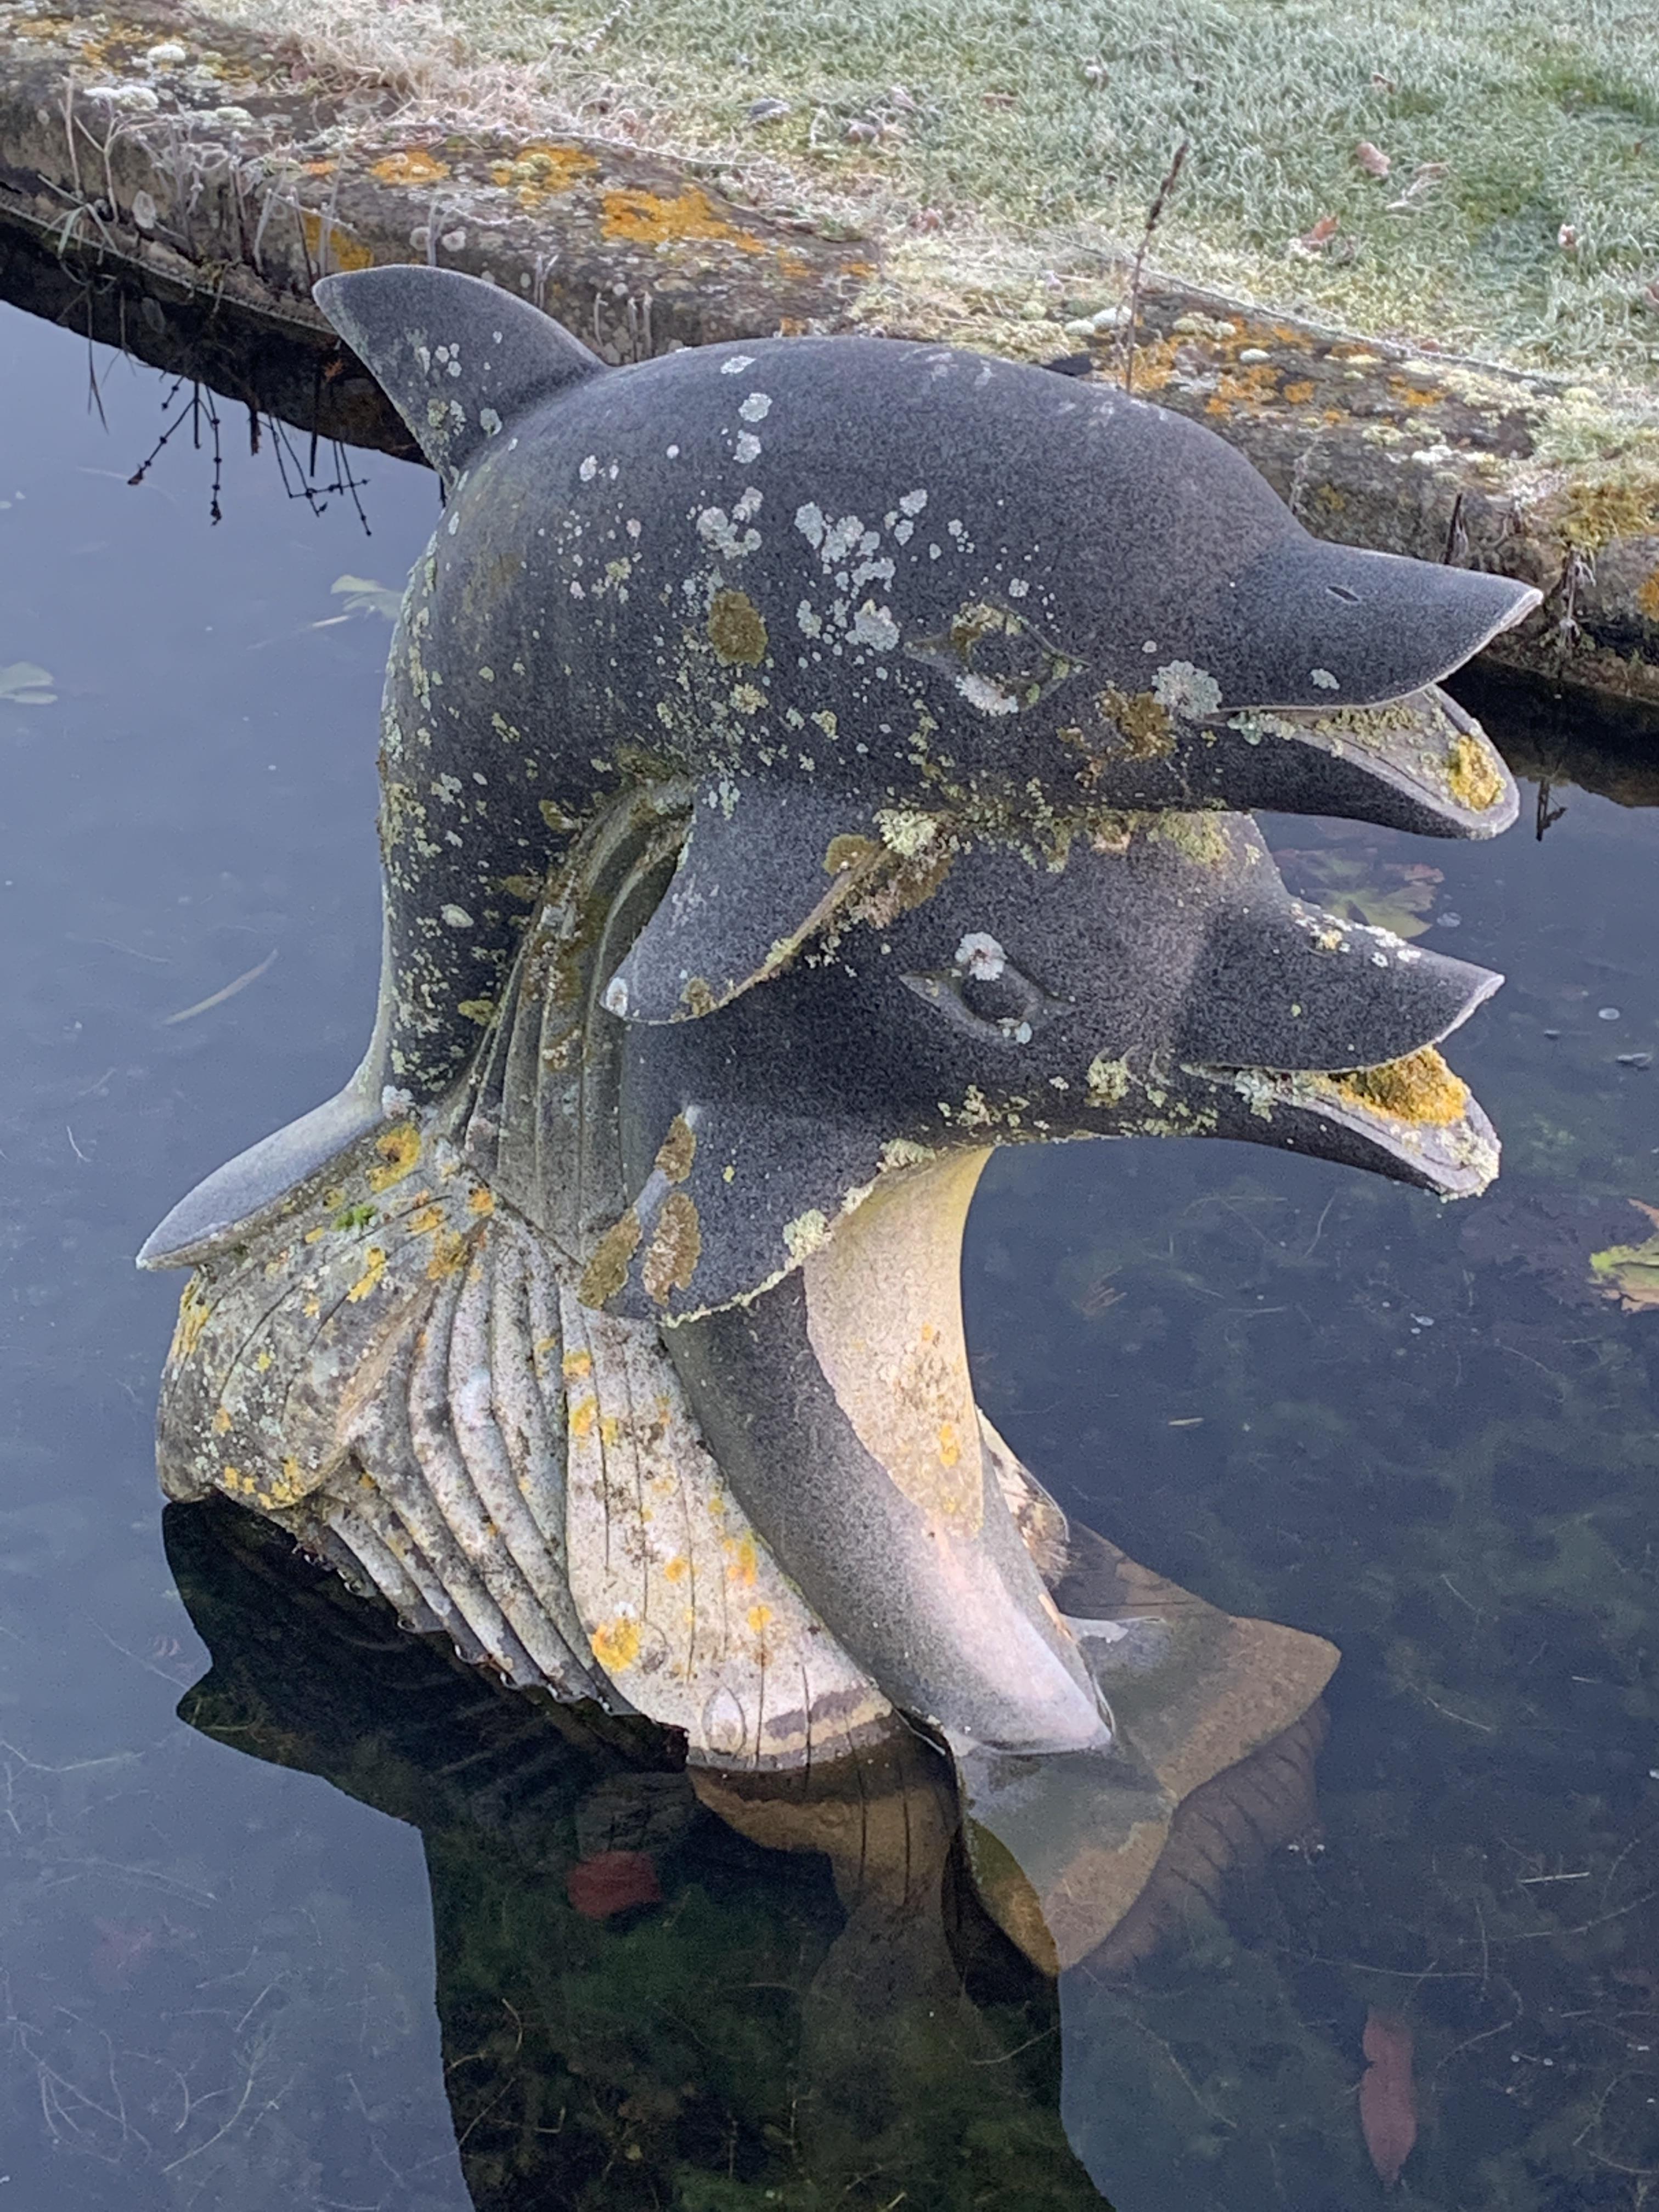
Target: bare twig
{"x":1154,"y":215}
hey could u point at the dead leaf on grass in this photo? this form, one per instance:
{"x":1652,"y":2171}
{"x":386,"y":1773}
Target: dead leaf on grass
{"x":1371,"y":159}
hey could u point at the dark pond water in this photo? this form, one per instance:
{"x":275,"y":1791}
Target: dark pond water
{"x":306,"y":1938}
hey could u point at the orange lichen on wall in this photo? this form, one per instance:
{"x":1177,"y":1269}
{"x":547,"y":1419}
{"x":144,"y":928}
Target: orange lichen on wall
{"x":647,"y":219}
{"x":540,"y":171}
{"x":1299,"y":394}
{"x":1244,"y":387}
{"x":344,"y":251}
{"x":1648,"y":598}
{"x":1415,"y":395}
{"x":412,"y":165}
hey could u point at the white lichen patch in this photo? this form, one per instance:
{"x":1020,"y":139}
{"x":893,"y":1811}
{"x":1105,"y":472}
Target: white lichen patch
{"x":1185,"y":689}
{"x":989,"y":697}
{"x":756,"y":407}
{"x":1324,"y":679}
{"x":980,"y":955}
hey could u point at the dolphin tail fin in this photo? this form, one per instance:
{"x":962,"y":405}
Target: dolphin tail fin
{"x":1215,"y":1723}
{"x":223,"y":1206}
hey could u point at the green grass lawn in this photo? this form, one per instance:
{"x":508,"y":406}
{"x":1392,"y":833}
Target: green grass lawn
{"x":1036,"y":130}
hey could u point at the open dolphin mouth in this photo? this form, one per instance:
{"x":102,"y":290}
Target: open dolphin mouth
{"x":1446,"y":777}
{"x":1412,"y":1119}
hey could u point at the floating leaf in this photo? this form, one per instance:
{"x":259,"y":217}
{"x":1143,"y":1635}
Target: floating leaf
{"x":1388,"y":2096}
{"x":1360,"y":886}
{"x":363,"y":596}
{"x":25,"y":685}
{"x":1552,"y":1234}
{"x":1630,"y":1272}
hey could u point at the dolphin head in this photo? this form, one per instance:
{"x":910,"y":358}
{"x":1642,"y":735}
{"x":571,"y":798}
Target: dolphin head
{"x":1161,"y":981}
{"x":835,"y":580}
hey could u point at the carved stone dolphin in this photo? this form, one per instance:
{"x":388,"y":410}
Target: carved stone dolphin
{"x":835,"y":582}
{"x":805,"y":766}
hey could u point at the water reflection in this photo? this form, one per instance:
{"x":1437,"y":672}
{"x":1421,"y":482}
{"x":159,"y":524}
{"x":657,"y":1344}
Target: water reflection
{"x":1424,"y":1433}
{"x":813,"y":2009}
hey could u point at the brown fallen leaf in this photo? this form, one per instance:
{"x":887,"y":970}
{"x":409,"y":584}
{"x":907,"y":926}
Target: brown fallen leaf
{"x":1651,"y":297}
{"x":1371,"y":159}
{"x":1388,"y":2096}
{"x":1317,"y":240}
{"x":1567,"y":238}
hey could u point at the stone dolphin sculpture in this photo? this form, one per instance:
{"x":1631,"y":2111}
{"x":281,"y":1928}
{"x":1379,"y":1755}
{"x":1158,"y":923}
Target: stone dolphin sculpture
{"x":807,"y":766}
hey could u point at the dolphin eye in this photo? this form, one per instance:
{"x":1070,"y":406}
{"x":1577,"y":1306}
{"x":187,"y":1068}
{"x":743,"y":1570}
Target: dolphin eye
{"x":986,"y":996}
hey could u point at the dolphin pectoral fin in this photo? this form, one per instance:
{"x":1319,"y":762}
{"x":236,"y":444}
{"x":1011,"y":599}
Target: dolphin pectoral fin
{"x":763,"y":870}
{"x":458,"y":358}
{"x":225,"y":1204}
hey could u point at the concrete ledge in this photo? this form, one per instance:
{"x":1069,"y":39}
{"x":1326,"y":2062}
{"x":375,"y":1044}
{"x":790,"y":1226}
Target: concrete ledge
{"x":208,"y":165}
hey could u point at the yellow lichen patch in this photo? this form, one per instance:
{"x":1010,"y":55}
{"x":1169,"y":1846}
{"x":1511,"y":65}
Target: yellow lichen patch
{"x":194,"y":1307}
{"x":759,"y":1618}
{"x":949,"y":1443}
{"x":804,"y":1235}
{"x":1109,"y":1081}
{"x":425,"y":1219}
{"x":677,"y":1150}
{"x":1420,"y":1088}
{"x":449,"y":1251}
{"x":574,"y":1364}
{"x":399,"y":1149}
{"x":412,"y":165}
{"x":615,"y":1644}
{"x":480,"y":1201}
{"x":221,"y":1421}
{"x":1648,"y":597}
{"x":737,"y":629}
{"x":607,"y":1271}
{"x":290,"y":1486}
{"x":1197,"y":838}
{"x":539,"y":171}
{"x":648,"y":219}
{"x":1601,"y":512}
{"x":482,"y":1011}
{"x":1300,"y":392}
{"x":1148,"y":733}
{"x":675,"y":1249}
{"x":745,"y":1562}
{"x":344,"y":251}
{"x":584,"y":1416}
{"x":1471,"y":778}
{"x":677,"y":1568}
{"x":369,"y":1280}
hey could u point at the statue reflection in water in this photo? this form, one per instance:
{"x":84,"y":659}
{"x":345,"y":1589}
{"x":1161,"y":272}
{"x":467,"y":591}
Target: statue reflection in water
{"x":805,"y":767}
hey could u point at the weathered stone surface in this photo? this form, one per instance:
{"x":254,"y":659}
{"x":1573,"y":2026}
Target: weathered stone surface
{"x":206,"y":163}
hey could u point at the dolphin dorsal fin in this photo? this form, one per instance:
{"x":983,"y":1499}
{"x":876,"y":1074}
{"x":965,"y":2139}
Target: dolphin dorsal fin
{"x":457,"y":357}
